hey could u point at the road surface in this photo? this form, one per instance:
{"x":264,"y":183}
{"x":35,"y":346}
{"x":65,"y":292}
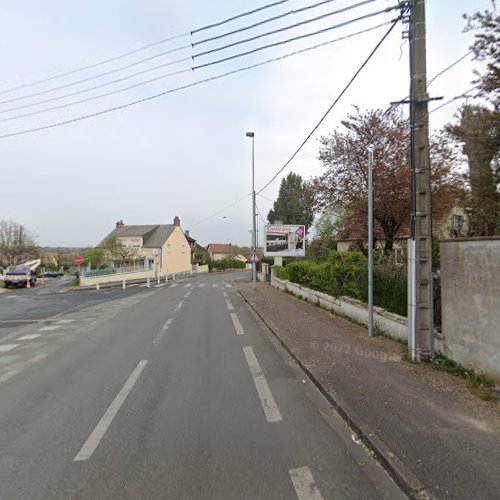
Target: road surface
{"x":170,"y":392}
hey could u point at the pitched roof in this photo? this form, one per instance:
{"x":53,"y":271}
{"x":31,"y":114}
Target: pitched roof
{"x":220,"y":248}
{"x":154,"y":236}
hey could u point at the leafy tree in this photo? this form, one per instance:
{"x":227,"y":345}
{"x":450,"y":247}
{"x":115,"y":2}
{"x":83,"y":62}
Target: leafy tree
{"x":94,"y":257}
{"x":114,"y":250}
{"x":479,"y":131}
{"x":292,"y":205}
{"x":345,"y":182}
{"x":486,"y":48}
{"x":326,"y":226}
{"x":16,"y":244}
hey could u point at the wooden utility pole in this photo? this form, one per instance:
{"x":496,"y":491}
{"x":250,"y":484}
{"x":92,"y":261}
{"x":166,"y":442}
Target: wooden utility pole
{"x":421,"y":183}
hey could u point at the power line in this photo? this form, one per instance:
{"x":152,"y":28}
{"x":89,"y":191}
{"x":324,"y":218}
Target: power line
{"x":211,"y":63}
{"x":260,"y":23}
{"x":260,"y":215}
{"x":80,"y":101}
{"x":289,"y":40}
{"x":464,"y":95}
{"x":394,"y":106}
{"x":333,"y":104}
{"x":100,"y":75}
{"x":238,"y":16}
{"x":95,"y":65}
{"x":268,"y":199}
{"x":291,"y":26}
{"x":222,"y":210}
{"x":140,"y":49}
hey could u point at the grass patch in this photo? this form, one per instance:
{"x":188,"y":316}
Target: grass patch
{"x":482,"y":385}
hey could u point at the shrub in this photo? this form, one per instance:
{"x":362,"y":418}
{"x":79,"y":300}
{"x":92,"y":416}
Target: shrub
{"x":225,"y":264}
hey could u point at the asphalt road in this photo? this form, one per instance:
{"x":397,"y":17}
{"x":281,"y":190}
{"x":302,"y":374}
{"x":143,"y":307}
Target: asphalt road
{"x":171,"y":392}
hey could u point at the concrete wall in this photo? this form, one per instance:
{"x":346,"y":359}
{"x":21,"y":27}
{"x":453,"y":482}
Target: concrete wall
{"x":470,"y":295}
{"x":391,"y":324}
{"x":114,"y":278}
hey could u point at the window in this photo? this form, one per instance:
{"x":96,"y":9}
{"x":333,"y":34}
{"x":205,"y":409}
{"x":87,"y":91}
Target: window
{"x":457,"y":222}
{"x":183,"y":248}
{"x":123,"y":243}
{"x":169,"y":248}
{"x":136,"y":243}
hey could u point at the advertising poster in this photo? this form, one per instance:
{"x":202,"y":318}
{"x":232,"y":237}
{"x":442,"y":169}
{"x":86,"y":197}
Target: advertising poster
{"x":285,"y":241}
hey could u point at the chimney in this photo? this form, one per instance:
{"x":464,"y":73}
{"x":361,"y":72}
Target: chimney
{"x":186,"y":232}
{"x":119,"y":224}
{"x":177,"y":221}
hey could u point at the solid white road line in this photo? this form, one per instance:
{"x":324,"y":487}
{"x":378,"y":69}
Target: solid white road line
{"x":237,"y":324}
{"x":133,"y":284}
{"x":178,"y":308}
{"x":269,"y":405}
{"x":161,"y":333}
{"x":303,"y":482}
{"x":30,"y":336}
{"x":187,"y":294}
{"x":173,"y":285}
{"x":229,"y":305}
{"x":225,"y":294}
{"x":48,"y":328}
{"x":161,"y":284}
{"x":7,"y":347}
{"x":97,"y":434}
{"x":187,"y":285}
{"x":64,"y":321}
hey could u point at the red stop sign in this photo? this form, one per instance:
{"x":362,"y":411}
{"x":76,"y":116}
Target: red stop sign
{"x":78,"y":260}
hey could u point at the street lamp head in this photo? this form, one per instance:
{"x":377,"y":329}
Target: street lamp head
{"x":250,"y":134}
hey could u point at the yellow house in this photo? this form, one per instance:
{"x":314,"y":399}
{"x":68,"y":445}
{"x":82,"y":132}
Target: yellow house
{"x":162,"y":247}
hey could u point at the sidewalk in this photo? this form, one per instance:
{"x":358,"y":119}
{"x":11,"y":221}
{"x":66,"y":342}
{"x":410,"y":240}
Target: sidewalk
{"x":426,"y":426}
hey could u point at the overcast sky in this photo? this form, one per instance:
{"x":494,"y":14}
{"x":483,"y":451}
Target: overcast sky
{"x":186,"y":153}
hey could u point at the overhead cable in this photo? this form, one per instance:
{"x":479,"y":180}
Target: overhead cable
{"x":464,"y":95}
{"x":296,"y":25}
{"x":260,"y":23}
{"x":95,"y":65}
{"x":238,"y":16}
{"x":88,"y":99}
{"x":221,"y":211}
{"x":365,"y":62}
{"x":140,"y":49}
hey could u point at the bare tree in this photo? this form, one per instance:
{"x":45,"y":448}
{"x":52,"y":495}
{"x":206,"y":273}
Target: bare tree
{"x":16,"y":244}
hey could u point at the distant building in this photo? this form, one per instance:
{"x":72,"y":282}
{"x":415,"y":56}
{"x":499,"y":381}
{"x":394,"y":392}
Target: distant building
{"x":219,"y":251}
{"x":163,"y":247}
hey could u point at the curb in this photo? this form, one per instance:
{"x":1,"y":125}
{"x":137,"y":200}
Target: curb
{"x":401,"y":475}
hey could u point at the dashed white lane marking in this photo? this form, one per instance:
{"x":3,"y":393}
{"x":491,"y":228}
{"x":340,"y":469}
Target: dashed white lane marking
{"x":30,"y":336}
{"x":97,"y":434}
{"x":173,"y":285}
{"x":237,"y":324}
{"x":65,"y":321}
{"x":215,"y":285}
{"x":161,"y":333}
{"x":187,"y":294}
{"x":225,"y":294}
{"x":187,"y":285}
{"x":201,"y":285}
{"x":48,"y":328}
{"x":7,"y":347}
{"x":8,"y":375}
{"x":228,"y":285}
{"x":269,"y":405}
{"x":303,"y":482}
{"x":229,"y":305}
{"x":178,"y":308}
{"x":62,"y":291}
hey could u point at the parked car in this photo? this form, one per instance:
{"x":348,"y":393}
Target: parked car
{"x":50,"y":274}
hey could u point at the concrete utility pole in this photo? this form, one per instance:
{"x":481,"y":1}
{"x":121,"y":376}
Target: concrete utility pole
{"x":254,"y":214}
{"x":420,"y":183}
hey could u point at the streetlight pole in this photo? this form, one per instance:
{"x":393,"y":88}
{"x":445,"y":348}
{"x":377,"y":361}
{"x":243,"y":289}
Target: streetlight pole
{"x":254,"y":233}
{"x":370,"y":241}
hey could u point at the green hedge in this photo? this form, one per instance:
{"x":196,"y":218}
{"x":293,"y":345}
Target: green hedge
{"x":346,"y":273}
{"x":225,"y":264}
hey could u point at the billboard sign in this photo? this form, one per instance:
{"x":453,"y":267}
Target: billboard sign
{"x":285,"y":241}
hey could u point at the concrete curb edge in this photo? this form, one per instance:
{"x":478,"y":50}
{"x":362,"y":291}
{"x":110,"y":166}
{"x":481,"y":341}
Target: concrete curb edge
{"x":403,"y":477}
